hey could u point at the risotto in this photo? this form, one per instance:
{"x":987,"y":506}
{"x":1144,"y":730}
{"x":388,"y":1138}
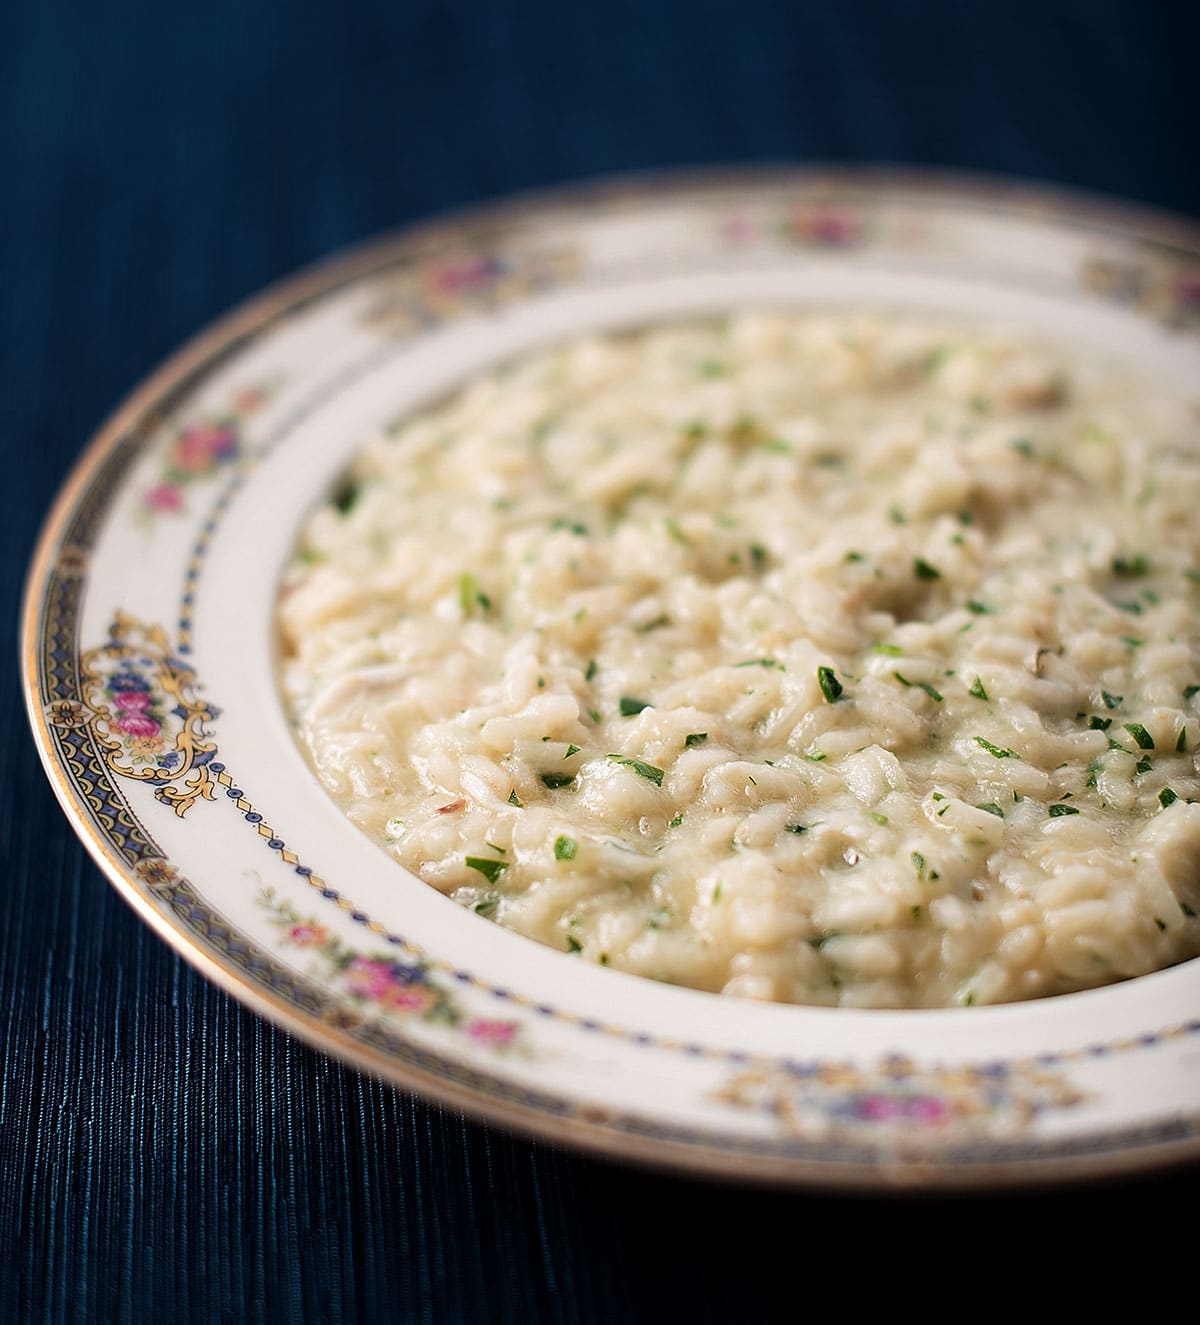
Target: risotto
{"x":828,"y":659}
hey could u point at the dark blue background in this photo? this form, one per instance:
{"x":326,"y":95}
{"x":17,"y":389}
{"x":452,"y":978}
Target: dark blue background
{"x":162,"y":1152}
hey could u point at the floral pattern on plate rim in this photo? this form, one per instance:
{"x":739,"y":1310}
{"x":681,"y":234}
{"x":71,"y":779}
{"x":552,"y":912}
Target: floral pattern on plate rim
{"x":199,"y":449}
{"x":859,"y":1098}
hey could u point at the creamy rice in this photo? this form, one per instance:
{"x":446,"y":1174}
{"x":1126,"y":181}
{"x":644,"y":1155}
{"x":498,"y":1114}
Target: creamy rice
{"x":825,"y":659}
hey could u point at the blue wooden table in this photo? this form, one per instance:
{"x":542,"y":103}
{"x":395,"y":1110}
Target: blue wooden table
{"x":164,"y":1155}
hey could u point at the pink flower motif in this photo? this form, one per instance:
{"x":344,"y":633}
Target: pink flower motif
{"x":164,"y":497}
{"x":411,"y":998}
{"x":879,"y":1108}
{"x":739,"y":230}
{"x":198,"y":448}
{"x":464,"y":275}
{"x":928,"y":1110}
{"x":826,"y":226}
{"x":1187,"y":287}
{"x":136,"y":724}
{"x":307,"y":936}
{"x":496,"y":1033}
{"x":132,"y":701}
{"x":369,"y":978}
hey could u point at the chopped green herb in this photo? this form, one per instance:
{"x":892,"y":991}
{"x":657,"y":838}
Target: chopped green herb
{"x":897,"y":516}
{"x":485,"y":906}
{"x":816,"y":756}
{"x":1128,"y":567}
{"x":933,"y":694}
{"x":592,"y":669}
{"x":1058,"y":811}
{"x":853,"y":556}
{"x":1133,"y":643}
{"x":888,"y":650}
{"x":1187,"y":910}
{"x":878,"y":818}
{"x":831,"y":687}
{"x":643,"y":770}
{"x":469,"y":596}
{"x":676,"y":821}
{"x":565,"y":848}
{"x":758,"y":556}
{"x":346,"y":497}
{"x":1181,"y":740}
{"x":969,"y":999}
{"x":573,"y":944}
{"x":918,"y":861}
{"x":1167,"y":797}
{"x":663,"y":915}
{"x":1116,"y":745}
{"x":692,"y":739}
{"x":996,"y":751}
{"x":1024,"y":446}
{"x":556,"y":780}
{"x":490,"y":869}
{"x":1111,"y":701}
{"x":1140,"y":735}
{"x":977,"y":689}
{"x":1189,"y":691}
{"x":514,"y":799}
{"x":571,"y":750}
{"x":992,"y":808}
{"x":1144,"y":764}
{"x":924,"y":571}
{"x":672,"y":528}
{"x":977,"y":608}
{"x":1162,"y":924}
{"x":630,"y":706}
{"x":494,"y":847}
{"x":710,"y":368}
{"x":761,"y":662}
{"x":1130,"y":605}
{"x":936,"y":357}
{"x":1096,"y":724}
{"x":658,"y":621}
{"x":573,"y":525}
{"x":595,"y":715}
{"x":777,"y":446}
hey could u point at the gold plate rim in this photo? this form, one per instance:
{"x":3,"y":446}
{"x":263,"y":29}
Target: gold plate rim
{"x":588,"y":1134}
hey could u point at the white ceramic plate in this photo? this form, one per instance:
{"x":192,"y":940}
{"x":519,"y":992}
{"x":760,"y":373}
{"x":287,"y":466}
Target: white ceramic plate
{"x":148,"y":658}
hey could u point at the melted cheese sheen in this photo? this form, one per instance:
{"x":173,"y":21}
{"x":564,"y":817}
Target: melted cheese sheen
{"x":824,"y":659}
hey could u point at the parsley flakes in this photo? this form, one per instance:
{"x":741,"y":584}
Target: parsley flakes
{"x":831,"y":687}
{"x":642,"y":769}
{"x":490,"y":869}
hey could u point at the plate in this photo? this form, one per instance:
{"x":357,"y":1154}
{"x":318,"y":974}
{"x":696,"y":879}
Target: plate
{"x":149,"y":672}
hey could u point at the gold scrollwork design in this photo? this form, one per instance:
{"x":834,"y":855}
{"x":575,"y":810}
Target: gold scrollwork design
{"x":145,"y":714}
